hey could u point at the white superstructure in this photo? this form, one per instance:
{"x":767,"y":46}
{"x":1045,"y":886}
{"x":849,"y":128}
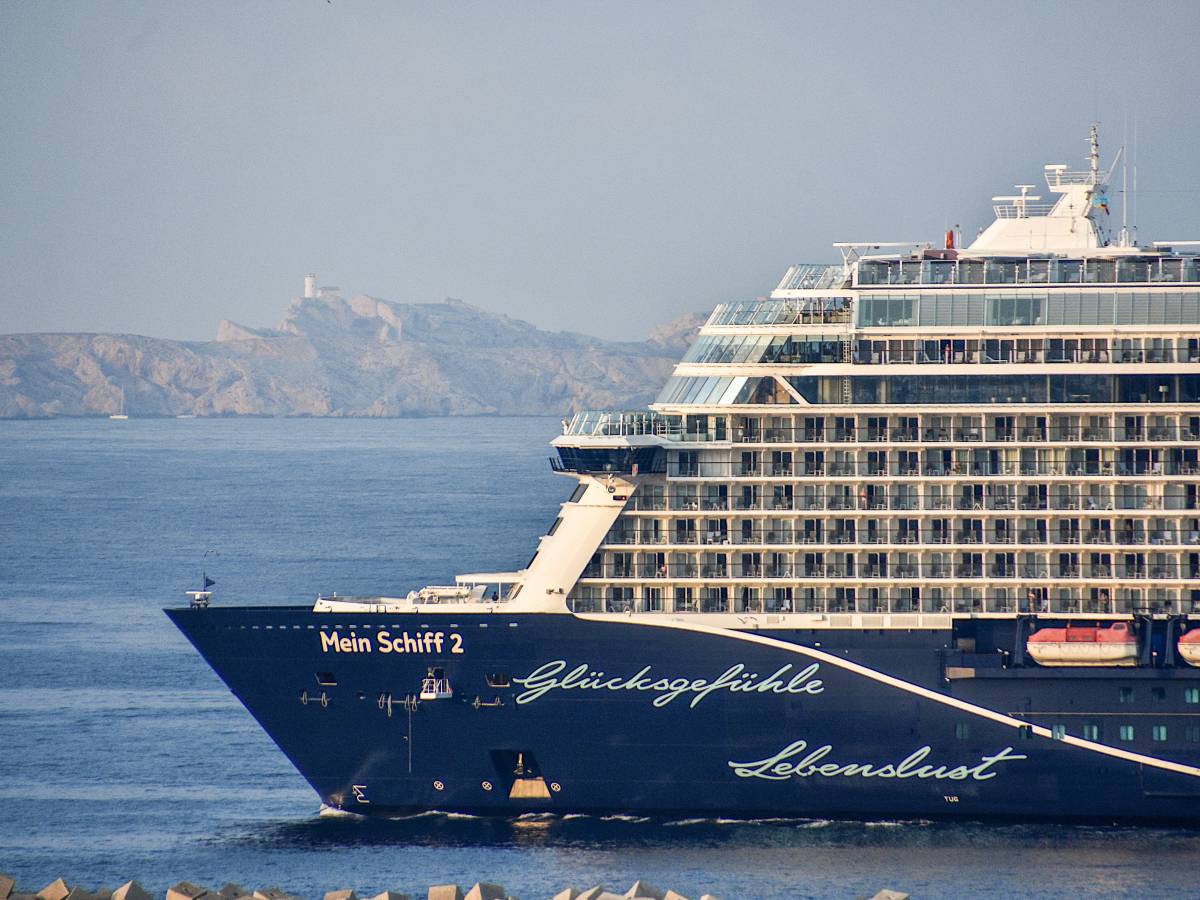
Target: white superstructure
{"x":917,"y":433}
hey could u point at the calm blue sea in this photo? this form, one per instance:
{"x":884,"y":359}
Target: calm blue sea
{"x":122,"y":755}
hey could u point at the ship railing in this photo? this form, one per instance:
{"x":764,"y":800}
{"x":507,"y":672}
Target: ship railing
{"x":1188,"y":430}
{"x":621,"y":423}
{"x":964,"y":270}
{"x":812,"y":277}
{"x":1024,"y":211}
{"x":836,"y":569}
{"x":1057,"y":176}
{"x":1035,"y":350}
{"x":790,"y":311}
{"x":1069,"y":469}
{"x":809,"y":601}
{"x":1098,"y":503}
{"x":909,"y":537}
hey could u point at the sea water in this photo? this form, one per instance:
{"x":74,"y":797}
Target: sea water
{"x":122,"y":755}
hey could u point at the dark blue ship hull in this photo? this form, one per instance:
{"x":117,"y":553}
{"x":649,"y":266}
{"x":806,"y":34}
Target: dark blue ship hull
{"x":564,"y":714}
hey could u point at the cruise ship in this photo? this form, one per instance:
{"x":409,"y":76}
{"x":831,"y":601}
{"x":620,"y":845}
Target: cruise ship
{"x":916,"y":536}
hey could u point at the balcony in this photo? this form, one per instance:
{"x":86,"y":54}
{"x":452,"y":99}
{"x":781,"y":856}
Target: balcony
{"x":964,"y":270}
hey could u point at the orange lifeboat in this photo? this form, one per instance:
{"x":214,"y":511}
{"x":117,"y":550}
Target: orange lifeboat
{"x":1076,"y":645}
{"x":1189,"y":647}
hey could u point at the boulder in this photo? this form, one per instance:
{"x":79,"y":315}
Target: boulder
{"x":185,"y":890}
{"x":566,"y":894}
{"x":389,"y":895}
{"x":341,"y":895}
{"x":232,"y":891}
{"x":886,"y":894}
{"x":55,"y":890}
{"x":6,"y":886}
{"x":271,"y":893}
{"x":485,"y":890}
{"x":445,"y":892}
{"x":671,"y":895}
{"x":78,"y":893}
{"x":642,"y":891}
{"x":130,"y":890}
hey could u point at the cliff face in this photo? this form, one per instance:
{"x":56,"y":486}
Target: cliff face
{"x":333,"y":357}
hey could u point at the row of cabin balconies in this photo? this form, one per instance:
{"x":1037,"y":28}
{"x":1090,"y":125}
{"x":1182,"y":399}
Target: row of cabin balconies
{"x":1091,"y":270}
{"x":1132,"y":426}
{"x":949,"y":463}
{"x":938,"y":532}
{"x":870,"y":599}
{"x":963,"y":497}
{"x":1025,"y":351}
{"x":965,"y":566}
{"x":973,"y":434}
{"x":933,"y":350}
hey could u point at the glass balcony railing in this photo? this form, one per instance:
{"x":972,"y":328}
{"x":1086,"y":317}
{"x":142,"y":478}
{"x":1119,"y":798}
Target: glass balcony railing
{"x":800,"y":311}
{"x":753,"y":532}
{"x":859,"y":571}
{"x":620,"y":423}
{"x":1028,"y":271}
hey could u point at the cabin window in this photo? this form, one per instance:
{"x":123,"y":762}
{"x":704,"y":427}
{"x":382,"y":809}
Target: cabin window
{"x":1058,"y":732}
{"x":580,"y":490}
{"x":1192,"y":734}
{"x":1125,"y":695}
{"x":962,"y":731}
{"x":1126,"y":732}
{"x":1158,"y":693}
{"x":1191,"y":695}
{"x":326,"y":679}
{"x":1091,"y":732}
{"x":1159,"y":732}
{"x":498,"y":679}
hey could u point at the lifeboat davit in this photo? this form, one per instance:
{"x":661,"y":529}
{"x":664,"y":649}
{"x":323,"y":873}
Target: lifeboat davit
{"x":1081,"y":645}
{"x":1189,"y":647}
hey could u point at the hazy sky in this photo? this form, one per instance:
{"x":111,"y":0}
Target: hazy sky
{"x":600,"y":167}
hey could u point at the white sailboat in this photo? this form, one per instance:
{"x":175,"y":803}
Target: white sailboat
{"x":120,"y":413}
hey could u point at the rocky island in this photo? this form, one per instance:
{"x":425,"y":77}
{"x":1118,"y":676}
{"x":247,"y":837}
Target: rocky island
{"x":336,"y":357}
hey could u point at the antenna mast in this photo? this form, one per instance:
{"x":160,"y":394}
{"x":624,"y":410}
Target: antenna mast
{"x":1124,"y":241}
{"x":1135,"y":159}
{"x":1094,"y":156}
